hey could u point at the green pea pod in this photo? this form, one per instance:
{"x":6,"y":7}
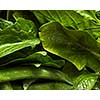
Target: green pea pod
{"x":16,"y":73}
{"x":40,"y":57}
{"x":50,"y":86}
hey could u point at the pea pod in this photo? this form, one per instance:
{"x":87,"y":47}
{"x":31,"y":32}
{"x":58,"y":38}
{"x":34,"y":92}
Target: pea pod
{"x":50,"y":86}
{"x":28,"y":72}
{"x":40,"y":57}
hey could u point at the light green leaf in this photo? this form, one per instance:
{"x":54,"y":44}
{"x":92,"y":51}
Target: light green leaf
{"x":27,"y":26}
{"x":85,"y":82}
{"x":74,"y":46}
{"x":21,"y":30}
{"x":17,"y":36}
{"x":7,"y":49}
{"x":91,"y":14}
{"x":66,"y":17}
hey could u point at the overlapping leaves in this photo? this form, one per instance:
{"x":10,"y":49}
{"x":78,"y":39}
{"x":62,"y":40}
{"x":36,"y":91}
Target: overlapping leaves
{"x":50,"y":50}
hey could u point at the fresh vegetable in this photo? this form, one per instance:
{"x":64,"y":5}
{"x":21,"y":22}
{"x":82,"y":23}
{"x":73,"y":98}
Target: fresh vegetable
{"x":50,"y":50}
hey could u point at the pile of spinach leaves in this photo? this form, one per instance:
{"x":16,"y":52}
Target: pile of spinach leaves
{"x":49,"y":50}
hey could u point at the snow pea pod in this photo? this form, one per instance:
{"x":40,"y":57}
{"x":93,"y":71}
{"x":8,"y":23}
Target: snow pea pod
{"x":28,"y":72}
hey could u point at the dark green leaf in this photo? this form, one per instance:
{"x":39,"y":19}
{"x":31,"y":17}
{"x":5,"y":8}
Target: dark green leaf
{"x":4,"y":24}
{"x":71,"y":70}
{"x":74,"y":46}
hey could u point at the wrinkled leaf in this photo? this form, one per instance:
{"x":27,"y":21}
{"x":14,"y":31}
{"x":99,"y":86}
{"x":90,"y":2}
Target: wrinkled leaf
{"x":65,"y":17}
{"x":7,"y":49}
{"x":74,"y":46}
{"x":71,"y":70}
{"x":91,"y":14}
{"x":26,"y":26}
{"x":85,"y":82}
{"x":4,"y":24}
{"x":97,"y":85}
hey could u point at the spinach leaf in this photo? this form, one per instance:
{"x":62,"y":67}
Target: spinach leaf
{"x":7,"y":49}
{"x":74,"y":46}
{"x":65,"y":17}
{"x":4,"y":24}
{"x":85,"y":82}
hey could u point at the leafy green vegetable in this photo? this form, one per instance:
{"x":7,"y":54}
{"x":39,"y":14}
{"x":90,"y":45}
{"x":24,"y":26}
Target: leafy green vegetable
{"x":4,"y":24}
{"x":10,"y":48}
{"x":74,"y":46}
{"x":85,"y":82}
{"x":67,"y":18}
{"x":49,"y":50}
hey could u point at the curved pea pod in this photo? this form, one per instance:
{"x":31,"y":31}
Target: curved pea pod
{"x":50,"y":86}
{"x":29,"y":72}
{"x":38,"y":57}
{"x":44,"y":59}
{"x":85,"y":81}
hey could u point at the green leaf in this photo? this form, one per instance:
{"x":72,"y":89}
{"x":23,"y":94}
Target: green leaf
{"x":7,"y":49}
{"x":65,"y":17}
{"x":85,"y":81}
{"x":26,"y":26}
{"x":84,"y":20}
{"x":97,"y":85}
{"x":4,"y":24}
{"x":74,"y":46}
{"x":17,"y":36}
{"x":21,"y":30}
{"x":71,"y":70}
{"x":91,"y":14}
